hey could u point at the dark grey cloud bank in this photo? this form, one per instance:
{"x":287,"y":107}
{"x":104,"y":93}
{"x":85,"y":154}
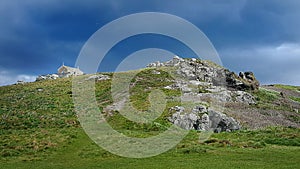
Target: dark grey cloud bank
{"x":259,"y":35}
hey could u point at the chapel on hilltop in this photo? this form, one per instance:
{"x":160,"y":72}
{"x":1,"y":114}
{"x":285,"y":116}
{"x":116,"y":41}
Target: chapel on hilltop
{"x":67,"y":71}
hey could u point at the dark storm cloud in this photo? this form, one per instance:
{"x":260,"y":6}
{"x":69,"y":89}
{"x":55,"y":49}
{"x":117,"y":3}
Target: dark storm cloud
{"x":38,"y":35}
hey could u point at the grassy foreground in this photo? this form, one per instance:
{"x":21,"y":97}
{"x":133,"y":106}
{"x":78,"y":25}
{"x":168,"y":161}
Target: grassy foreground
{"x":82,"y":153}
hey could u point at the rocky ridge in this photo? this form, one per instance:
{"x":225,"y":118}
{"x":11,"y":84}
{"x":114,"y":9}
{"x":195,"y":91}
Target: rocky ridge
{"x":208,"y":86}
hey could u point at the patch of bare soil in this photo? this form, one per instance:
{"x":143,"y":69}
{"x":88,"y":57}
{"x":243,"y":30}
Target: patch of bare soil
{"x":253,"y":117}
{"x":285,"y":92}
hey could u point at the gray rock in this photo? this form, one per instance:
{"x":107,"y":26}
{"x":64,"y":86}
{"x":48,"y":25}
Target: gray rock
{"x":40,"y":89}
{"x":245,"y":81}
{"x":155,"y":64}
{"x":243,"y":97}
{"x":176,"y":85}
{"x":199,"y":83}
{"x":186,"y":89}
{"x":98,"y":77}
{"x":187,"y":71}
{"x":178,"y":109}
{"x":209,"y":121}
{"x":47,"y":77}
{"x":216,"y":89}
{"x":221,"y":122}
{"x":155,"y":72}
{"x":185,"y":121}
{"x":174,"y":62}
{"x":20,"y":82}
{"x":199,"y":109}
{"x":205,"y":122}
{"x":209,"y":72}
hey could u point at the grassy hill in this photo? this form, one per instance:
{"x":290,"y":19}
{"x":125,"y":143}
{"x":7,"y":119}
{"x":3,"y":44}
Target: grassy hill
{"x":39,"y":129}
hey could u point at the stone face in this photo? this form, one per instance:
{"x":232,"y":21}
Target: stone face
{"x":221,"y":122}
{"x":203,"y":119}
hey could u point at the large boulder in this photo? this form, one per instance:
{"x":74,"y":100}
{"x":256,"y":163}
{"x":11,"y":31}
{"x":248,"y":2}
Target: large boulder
{"x":203,"y":119}
{"x":243,"y":81}
{"x":221,"y":122}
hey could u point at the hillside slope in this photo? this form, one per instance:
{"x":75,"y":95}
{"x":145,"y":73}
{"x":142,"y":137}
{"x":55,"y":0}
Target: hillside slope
{"x":38,"y":123}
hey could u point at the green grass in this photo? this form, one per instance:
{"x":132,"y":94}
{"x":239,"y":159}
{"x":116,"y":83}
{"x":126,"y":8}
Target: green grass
{"x":265,"y":96}
{"x":81,"y":152}
{"x":288,"y":87}
{"x":143,"y":83}
{"x":297,"y":99}
{"x":39,"y":129}
{"x":269,"y":99}
{"x":259,"y":138}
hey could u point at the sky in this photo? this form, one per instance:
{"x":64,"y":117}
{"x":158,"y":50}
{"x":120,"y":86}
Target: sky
{"x":262,"y":36}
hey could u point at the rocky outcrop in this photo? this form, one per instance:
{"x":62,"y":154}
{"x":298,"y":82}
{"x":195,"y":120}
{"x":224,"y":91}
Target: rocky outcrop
{"x":222,"y":97}
{"x":242,"y":97}
{"x":47,"y":77}
{"x":221,"y":122}
{"x":98,"y":77}
{"x":155,"y":64}
{"x":171,"y":63}
{"x":245,"y":81}
{"x":206,"y":81}
{"x":203,"y":119}
{"x":206,"y":71}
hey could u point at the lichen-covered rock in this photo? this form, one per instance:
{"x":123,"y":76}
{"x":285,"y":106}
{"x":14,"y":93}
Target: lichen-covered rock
{"x":203,"y":119}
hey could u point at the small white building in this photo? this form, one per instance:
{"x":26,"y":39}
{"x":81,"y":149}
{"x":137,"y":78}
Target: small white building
{"x":66,"y":71}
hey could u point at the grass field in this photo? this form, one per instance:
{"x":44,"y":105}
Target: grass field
{"x":39,"y":129}
{"x":82,"y":153}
